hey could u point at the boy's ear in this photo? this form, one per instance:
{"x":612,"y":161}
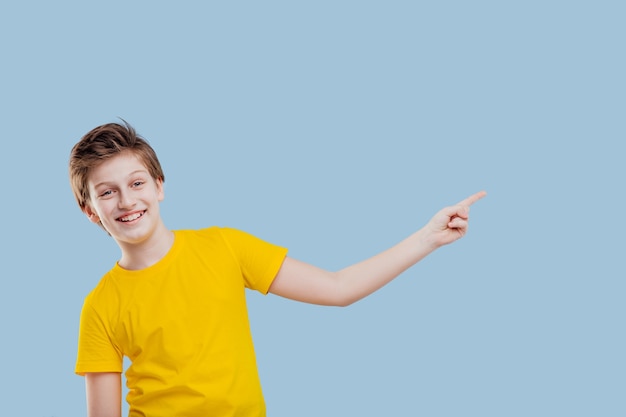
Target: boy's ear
{"x":91,"y":215}
{"x":159,"y":183}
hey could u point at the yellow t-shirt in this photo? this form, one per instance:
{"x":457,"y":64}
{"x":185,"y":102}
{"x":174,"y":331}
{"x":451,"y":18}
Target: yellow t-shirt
{"x":184,"y":325}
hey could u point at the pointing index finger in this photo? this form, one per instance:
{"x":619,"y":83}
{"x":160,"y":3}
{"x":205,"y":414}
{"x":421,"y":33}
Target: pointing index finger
{"x":472,"y":199}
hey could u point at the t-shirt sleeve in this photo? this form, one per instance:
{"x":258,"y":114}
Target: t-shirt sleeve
{"x":96,"y":351}
{"x":259,"y":260}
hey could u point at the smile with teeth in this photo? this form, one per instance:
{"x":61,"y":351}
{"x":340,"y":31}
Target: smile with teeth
{"x":131,"y":217}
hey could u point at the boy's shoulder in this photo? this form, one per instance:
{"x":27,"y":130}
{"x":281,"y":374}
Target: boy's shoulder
{"x":205,"y":242}
{"x":221,"y":233}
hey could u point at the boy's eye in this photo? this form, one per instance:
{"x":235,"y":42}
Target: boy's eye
{"x":106,"y":193}
{"x":137,"y":183}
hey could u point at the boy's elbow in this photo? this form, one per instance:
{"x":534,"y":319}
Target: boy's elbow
{"x":344,"y":293}
{"x":344,"y":298}
{"x":345,"y":303}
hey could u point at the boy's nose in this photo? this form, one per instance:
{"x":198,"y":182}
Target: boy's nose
{"x":126,"y":200}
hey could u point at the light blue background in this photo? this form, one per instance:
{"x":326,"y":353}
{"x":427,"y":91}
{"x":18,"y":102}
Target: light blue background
{"x":337,"y":129}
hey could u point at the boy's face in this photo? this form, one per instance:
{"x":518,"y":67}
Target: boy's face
{"x":125,"y":199}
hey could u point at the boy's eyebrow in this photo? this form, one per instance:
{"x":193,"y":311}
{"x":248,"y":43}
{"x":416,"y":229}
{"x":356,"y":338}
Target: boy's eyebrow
{"x":138,"y":171}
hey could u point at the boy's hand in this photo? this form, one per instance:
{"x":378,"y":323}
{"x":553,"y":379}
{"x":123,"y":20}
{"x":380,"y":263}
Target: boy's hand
{"x":450,"y":223}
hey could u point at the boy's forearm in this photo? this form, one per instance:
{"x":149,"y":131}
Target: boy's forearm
{"x":361,"y":279}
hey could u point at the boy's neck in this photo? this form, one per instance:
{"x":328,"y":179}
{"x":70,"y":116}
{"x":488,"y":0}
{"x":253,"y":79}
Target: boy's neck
{"x":145,"y":254}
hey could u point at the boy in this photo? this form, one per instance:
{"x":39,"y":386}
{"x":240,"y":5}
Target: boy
{"x":174,"y":303}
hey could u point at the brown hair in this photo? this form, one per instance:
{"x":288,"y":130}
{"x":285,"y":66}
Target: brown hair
{"x":102,"y":143}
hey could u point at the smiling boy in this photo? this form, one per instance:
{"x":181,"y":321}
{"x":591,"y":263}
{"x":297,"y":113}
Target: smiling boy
{"x":174,"y":303}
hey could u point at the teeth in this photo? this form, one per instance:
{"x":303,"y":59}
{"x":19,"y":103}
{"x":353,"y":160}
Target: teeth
{"x":131,"y":217}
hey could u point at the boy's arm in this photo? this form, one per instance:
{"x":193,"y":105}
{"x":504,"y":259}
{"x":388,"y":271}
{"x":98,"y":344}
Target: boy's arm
{"x":104,"y":394}
{"x":304,"y":282}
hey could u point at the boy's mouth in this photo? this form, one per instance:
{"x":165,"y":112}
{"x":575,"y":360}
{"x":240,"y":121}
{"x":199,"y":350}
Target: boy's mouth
{"x":131,"y":217}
